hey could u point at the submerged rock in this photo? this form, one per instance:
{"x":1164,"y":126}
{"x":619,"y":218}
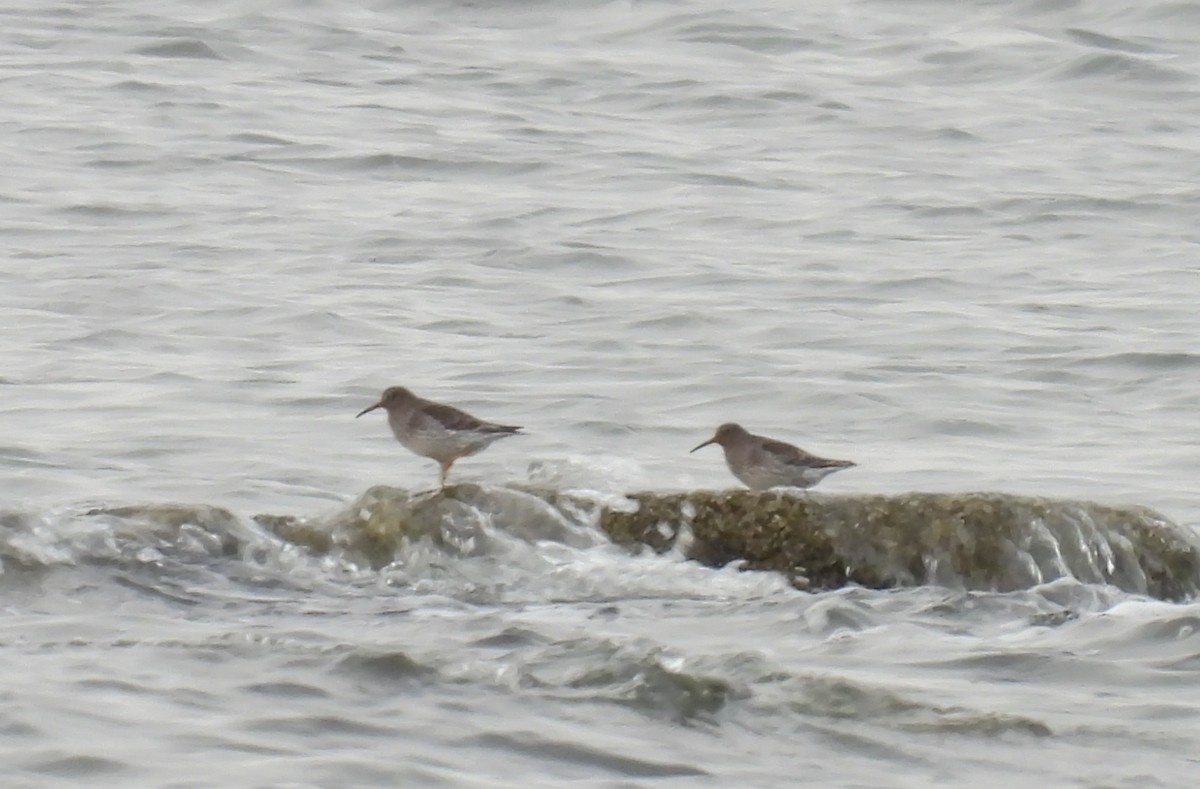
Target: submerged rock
{"x":166,"y":521}
{"x":456,"y":519}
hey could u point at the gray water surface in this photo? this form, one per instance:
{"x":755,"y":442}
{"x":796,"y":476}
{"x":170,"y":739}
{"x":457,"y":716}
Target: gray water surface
{"x":954,"y":242}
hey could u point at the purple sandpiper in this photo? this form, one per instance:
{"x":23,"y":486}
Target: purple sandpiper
{"x":435,"y":430}
{"x":763,"y":463}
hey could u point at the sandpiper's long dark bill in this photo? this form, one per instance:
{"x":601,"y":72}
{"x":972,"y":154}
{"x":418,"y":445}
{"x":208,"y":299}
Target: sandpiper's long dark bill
{"x":435,"y":430}
{"x":763,"y":463}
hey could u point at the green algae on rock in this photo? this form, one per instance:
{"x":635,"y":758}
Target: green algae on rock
{"x":974,"y":540}
{"x":769,"y":531}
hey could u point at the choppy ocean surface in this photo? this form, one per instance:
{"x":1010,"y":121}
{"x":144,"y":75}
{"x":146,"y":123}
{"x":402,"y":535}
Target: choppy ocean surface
{"x":953,"y":242}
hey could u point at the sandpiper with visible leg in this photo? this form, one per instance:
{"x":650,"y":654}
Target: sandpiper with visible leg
{"x":762,"y":462}
{"x":435,"y":430}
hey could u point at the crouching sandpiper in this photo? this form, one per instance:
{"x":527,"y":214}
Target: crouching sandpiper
{"x":435,"y":430}
{"x":763,"y":463}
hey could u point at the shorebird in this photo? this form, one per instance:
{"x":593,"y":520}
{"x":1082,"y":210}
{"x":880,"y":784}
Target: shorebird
{"x":762,"y":462}
{"x":435,"y":430}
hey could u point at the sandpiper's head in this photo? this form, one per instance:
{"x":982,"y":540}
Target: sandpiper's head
{"x":393,"y":397}
{"x":726,"y":434}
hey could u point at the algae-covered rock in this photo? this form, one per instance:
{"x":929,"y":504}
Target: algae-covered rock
{"x":988,"y":541}
{"x":770,"y":531}
{"x":973,"y":540}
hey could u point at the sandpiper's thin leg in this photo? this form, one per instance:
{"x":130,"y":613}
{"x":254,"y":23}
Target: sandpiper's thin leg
{"x":445,"y":465}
